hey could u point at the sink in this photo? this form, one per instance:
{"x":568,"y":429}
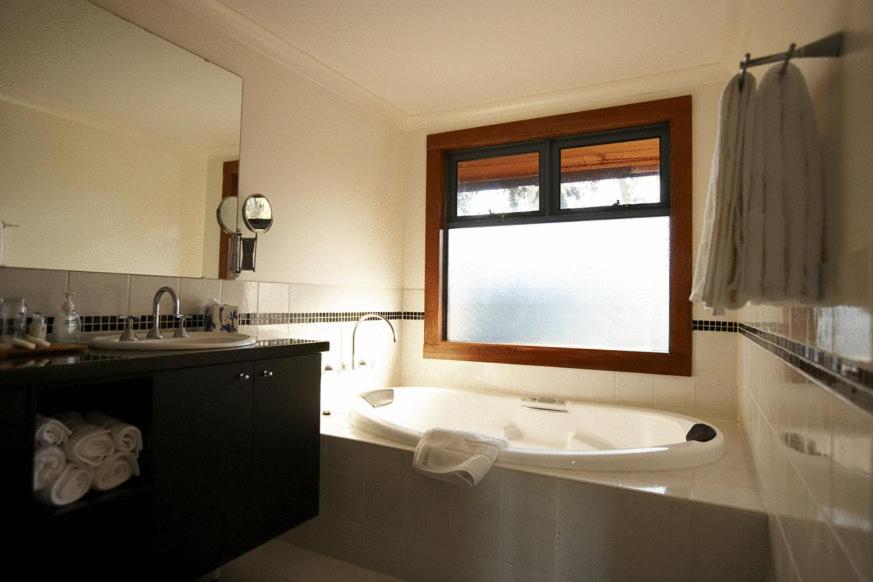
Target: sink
{"x":196,"y":340}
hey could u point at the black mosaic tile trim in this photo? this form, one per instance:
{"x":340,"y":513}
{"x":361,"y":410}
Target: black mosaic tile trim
{"x":322,"y":317}
{"x":841,"y":375}
{"x":714,"y":325}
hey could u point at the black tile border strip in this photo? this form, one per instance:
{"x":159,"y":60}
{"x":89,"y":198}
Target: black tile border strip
{"x":841,"y":375}
{"x":322,"y":317}
{"x":97,"y":323}
{"x":714,"y":325}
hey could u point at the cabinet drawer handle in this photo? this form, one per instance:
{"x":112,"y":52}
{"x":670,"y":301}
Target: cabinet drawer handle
{"x":267,"y":373}
{"x":243,"y":376}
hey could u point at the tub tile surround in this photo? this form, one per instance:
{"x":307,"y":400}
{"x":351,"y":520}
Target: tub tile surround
{"x":515,"y":525}
{"x":729,"y":482}
{"x":812,"y":446}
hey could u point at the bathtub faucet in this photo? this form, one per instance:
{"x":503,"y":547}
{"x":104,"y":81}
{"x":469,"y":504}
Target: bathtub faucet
{"x":359,"y":322}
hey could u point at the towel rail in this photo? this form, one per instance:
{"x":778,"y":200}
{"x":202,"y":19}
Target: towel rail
{"x":829,"y":46}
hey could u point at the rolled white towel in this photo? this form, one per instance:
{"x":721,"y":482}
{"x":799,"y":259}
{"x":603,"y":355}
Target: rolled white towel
{"x":456,"y":457}
{"x":50,"y":431}
{"x":73,"y":482}
{"x":89,"y":444}
{"x":48,"y":464}
{"x":127,"y":437}
{"x":115,"y":470}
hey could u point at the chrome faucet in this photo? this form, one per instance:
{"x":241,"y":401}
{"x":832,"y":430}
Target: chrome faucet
{"x":363,"y":319}
{"x":155,"y":331}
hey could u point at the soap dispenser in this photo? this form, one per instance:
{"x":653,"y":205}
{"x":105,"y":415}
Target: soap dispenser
{"x":67,"y":325}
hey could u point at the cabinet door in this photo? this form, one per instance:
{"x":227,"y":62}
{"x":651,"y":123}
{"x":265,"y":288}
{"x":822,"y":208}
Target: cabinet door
{"x":201,"y":461}
{"x":285,"y":452}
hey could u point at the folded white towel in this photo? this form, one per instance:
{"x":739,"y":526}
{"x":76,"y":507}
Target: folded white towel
{"x":115,"y":470}
{"x":717,"y":278}
{"x":456,"y":457}
{"x":50,"y":431}
{"x":70,"y":486}
{"x":48,"y":464}
{"x":89,"y":444}
{"x":792,"y":192}
{"x":127,"y":437}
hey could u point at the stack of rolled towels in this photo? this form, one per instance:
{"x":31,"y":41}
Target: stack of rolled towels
{"x":76,"y":453}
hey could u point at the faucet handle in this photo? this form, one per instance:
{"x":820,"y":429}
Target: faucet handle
{"x":180,"y":328}
{"x":129,"y":335}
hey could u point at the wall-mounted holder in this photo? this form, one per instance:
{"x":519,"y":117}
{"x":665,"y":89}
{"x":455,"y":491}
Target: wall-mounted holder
{"x":257,"y":216}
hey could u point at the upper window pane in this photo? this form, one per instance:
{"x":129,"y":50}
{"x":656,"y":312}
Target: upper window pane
{"x":611,"y":174}
{"x":499,"y":185}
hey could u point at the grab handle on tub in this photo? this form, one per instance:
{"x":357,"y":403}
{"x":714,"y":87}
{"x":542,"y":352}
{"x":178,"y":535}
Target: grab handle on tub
{"x":542,"y":403}
{"x":700,"y":432}
{"x":378,"y":398}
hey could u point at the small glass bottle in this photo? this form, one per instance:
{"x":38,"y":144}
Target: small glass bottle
{"x":20,"y":314}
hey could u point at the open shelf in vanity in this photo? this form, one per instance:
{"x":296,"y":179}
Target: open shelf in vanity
{"x":229,"y":458}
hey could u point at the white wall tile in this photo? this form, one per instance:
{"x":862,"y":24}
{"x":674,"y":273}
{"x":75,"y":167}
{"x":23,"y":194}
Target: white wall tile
{"x":196,"y":293}
{"x":42,"y":288}
{"x":674,"y":391}
{"x":243,"y":294}
{"x":635,"y":388}
{"x":563,"y":382}
{"x":529,"y":379}
{"x":715,"y":394}
{"x":273,"y":331}
{"x":598,"y":385}
{"x":497,"y":377}
{"x":142,"y":293}
{"x":413,"y":300}
{"x":101,"y":293}
{"x":273,"y":298}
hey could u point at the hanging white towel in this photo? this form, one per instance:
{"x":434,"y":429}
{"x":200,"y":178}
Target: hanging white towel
{"x":115,"y":470}
{"x":717,"y":280}
{"x":127,"y":437}
{"x":48,"y":464}
{"x":50,"y":431}
{"x":89,"y":444}
{"x":456,"y":457}
{"x":70,"y":486}
{"x":787,"y":189}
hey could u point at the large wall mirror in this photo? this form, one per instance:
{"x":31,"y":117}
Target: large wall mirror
{"x":113,"y":144}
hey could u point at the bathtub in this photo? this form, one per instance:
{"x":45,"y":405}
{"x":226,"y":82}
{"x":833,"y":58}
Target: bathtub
{"x":542,"y":432}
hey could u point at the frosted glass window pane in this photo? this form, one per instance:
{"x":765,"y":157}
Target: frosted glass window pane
{"x":611,"y":174}
{"x":499,"y":185}
{"x":597,"y":284}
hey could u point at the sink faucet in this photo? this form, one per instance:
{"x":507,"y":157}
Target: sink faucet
{"x":363,"y":319}
{"x":155,"y":331}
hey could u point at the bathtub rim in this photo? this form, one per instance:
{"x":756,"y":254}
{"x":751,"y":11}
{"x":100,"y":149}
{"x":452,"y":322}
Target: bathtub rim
{"x":682,"y":455}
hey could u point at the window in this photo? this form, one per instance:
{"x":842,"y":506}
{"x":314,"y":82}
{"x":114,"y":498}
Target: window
{"x":563,"y":241}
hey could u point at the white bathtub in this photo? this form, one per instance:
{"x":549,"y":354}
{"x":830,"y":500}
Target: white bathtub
{"x":558,"y":435}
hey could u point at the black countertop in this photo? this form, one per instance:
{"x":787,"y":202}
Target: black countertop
{"x":25,"y":370}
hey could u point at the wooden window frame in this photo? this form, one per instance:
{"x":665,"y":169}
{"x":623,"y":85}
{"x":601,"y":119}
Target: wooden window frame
{"x":675,"y":113}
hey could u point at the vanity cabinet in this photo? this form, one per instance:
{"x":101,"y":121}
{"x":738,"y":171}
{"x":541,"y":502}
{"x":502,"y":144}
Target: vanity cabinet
{"x":235,"y":457}
{"x":230,"y":457}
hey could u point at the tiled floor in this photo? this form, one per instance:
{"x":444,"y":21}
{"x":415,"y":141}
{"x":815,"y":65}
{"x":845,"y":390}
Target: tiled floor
{"x":280,"y":561}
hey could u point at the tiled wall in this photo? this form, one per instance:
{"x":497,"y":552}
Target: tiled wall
{"x":119,"y":294}
{"x":811,"y":437}
{"x":709,"y":392}
{"x":377,"y":512}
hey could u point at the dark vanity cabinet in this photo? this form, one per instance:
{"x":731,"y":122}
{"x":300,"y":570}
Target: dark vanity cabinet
{"x":235,"y":457}
{"x":230,"y":458}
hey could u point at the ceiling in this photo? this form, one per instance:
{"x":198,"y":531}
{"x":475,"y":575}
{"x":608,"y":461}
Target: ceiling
{"x":428,"y":56}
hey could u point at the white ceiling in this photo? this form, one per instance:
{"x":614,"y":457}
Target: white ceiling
{"x":73,"y":59}
{"x":428,"y":56}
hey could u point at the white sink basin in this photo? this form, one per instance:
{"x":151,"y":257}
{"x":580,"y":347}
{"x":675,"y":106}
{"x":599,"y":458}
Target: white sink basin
{"x":197,"y":340}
